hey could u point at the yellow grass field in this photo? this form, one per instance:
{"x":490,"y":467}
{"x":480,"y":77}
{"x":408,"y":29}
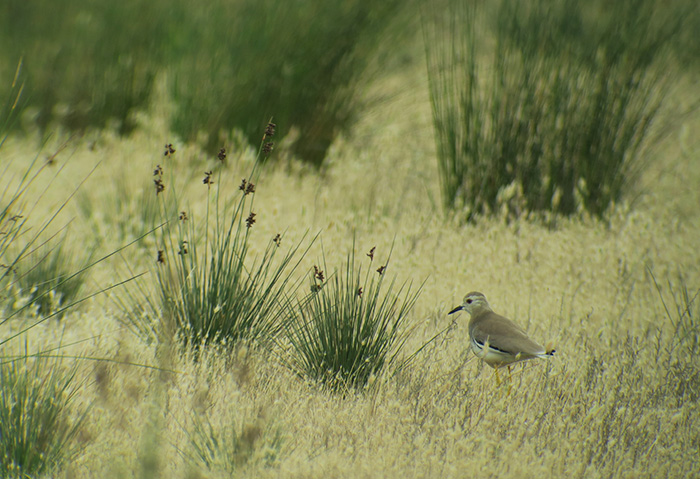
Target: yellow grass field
{"x":619,"y":399}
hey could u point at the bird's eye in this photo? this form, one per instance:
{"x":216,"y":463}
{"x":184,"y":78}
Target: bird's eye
{"x":469,"y":301}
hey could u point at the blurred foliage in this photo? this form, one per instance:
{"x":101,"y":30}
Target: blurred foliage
{"x":233,"y":64}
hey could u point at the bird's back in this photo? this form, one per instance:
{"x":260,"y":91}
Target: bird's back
{"x":503,"y":334}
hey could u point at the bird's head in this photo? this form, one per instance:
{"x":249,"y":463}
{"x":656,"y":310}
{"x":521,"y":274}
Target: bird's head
{"x":474,"y":302}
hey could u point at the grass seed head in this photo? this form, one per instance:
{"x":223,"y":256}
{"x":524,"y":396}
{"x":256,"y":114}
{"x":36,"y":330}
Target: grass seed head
{"x":160,"y":186}
{"x":246,"y":187}
{"x":250,"y":220}
{"x":169,"y":150}
{"x":318,"y":274}
{"x":270,"y":130}
{"x":208,"y":179}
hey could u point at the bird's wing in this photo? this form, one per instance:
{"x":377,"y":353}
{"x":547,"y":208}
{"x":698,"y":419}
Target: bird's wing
{"x":503,"y":334}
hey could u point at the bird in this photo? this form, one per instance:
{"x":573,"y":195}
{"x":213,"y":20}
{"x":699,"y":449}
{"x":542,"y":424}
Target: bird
{"x":497,"y":340}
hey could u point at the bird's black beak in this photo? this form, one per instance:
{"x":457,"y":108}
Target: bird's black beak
{"x":458,"y":308}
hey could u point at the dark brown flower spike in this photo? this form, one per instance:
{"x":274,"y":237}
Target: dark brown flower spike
{"x":159,"y":186}
{"x":161,"y":256}
{"x":270,"y":130}
{"x":208,"y":179}
{"x":381,"y":269}
{"x":183,"y":248}
{"x":158,"y":171}
{"x":246,"y":187}
{"x":371,"y":253}
{"x":250,"y":220}
{"x":169,"y":150}
{"x":277,"y":239}
{"x":267,"y":147}
{"x":222,"y":155}
{"x":359,"y":291}
{"x":318,"y":274}
{"x":183,"y":216}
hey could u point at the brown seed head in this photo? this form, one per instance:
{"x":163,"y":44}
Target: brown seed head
{"x":270,"y":130}
{"x":277,"y":239}
{"x":169,"y":150}
{"x":381,"y":269}
{"x":222,"y":155}
{"x":208,"y":179}
{"x":371,"y":253}
{"x":250,"y":220}
{"x":161,"y":256}
{"x":159,"y":186}
{"x":318,"y":274}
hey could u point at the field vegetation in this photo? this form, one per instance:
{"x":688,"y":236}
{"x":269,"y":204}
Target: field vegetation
{"x":230,"y":237}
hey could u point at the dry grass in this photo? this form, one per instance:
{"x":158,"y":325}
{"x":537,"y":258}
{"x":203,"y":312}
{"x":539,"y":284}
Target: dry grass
{"x":620,"y":398}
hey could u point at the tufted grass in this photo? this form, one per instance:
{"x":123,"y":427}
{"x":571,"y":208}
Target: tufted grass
{"x":546,"y":106}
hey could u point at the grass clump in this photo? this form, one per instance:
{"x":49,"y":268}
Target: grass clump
{"x":207,"y":287}
{"x":352,"y":326}
{"x":48,"y":282}
{"x":36,"y":423}
{"x":552,"y":114}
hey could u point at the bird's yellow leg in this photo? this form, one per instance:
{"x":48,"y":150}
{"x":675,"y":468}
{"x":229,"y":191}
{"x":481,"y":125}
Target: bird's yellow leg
{"x":510,"y":380}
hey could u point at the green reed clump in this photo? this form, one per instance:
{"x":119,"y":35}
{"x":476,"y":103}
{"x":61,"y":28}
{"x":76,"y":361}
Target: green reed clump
{"x":209,"y":289}
{"x":352,"y":326}
{"x":548,"y":110}
{"x":37,"y":422}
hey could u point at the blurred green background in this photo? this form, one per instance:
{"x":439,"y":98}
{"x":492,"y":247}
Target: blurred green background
{"x":234,"y":64}
{"x":229,"y":64}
